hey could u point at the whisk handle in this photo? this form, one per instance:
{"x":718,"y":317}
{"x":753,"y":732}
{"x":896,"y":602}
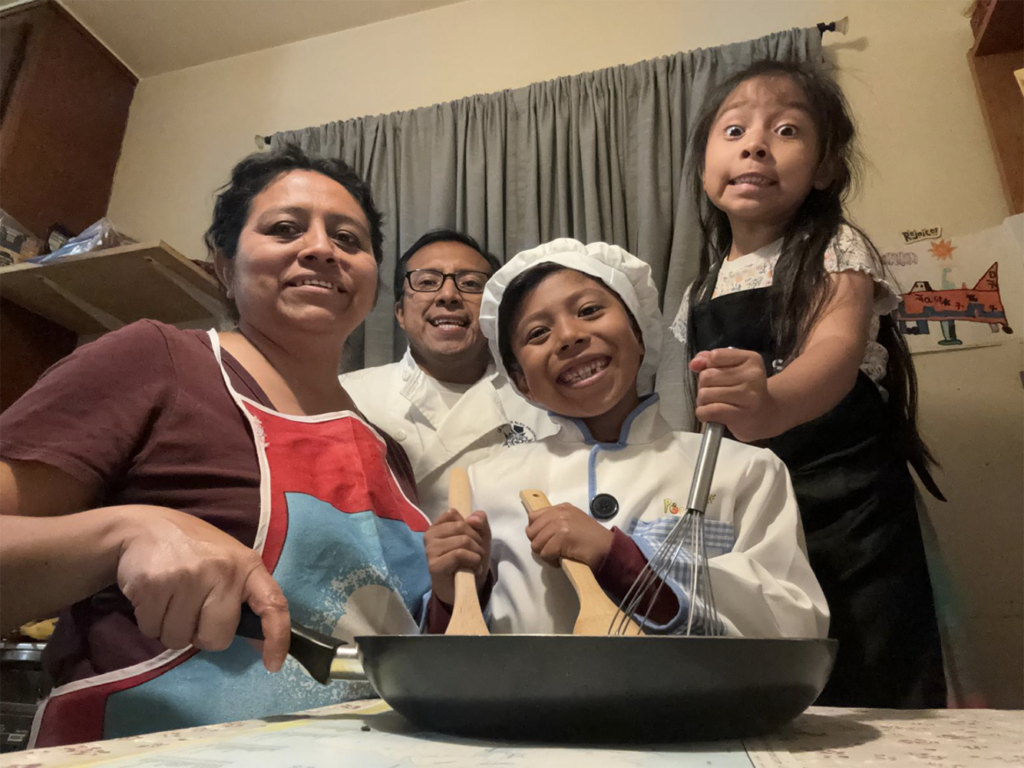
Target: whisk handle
{"x":704,"y":473}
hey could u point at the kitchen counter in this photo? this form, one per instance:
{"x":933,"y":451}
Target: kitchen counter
{"x":367,"y":734}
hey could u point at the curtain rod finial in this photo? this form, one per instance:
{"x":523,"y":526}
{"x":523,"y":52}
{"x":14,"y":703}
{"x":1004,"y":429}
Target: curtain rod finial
{"x":842,"y":26}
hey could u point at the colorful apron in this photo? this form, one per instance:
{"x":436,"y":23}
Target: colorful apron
{"x":341,"y":539}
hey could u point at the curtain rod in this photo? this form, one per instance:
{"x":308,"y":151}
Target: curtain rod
{"x":841,"y":26}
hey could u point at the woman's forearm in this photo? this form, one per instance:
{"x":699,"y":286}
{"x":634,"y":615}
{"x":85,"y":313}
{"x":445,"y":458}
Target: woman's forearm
{"x":47,"y":563}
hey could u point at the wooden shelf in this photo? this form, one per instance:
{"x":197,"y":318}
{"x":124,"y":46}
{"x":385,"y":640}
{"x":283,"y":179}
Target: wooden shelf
{"x":105,"y":290}
{"x":997,"y":53}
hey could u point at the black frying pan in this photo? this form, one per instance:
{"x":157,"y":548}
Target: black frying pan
{"x":571,"y":688}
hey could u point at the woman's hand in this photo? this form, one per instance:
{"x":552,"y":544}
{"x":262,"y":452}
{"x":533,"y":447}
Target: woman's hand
{"x":187,"y":581}
{"x":454,"y":543}
{"x":567,"y":531}
{"x":732,"y":389}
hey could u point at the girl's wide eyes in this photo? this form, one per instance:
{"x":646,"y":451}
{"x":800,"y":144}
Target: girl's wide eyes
{"x":733,"y":131}
{"x":786,"y":131}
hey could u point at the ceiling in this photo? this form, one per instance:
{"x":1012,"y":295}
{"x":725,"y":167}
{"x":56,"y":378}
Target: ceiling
{"x":156,"y":36}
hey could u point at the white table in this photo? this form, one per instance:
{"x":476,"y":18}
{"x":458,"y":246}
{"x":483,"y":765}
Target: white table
{"x":368,"y":735}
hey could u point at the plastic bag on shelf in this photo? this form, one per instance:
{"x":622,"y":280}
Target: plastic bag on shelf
{"x":97,"y":237}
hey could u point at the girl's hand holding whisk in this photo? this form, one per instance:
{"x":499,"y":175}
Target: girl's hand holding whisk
{"x":567,"y":531}
{"x":733,"y":390}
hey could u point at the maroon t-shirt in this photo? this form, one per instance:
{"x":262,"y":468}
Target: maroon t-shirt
{"x":142,"y":415}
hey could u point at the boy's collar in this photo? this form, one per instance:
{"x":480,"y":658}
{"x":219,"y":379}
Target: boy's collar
{"x":643,"y":418}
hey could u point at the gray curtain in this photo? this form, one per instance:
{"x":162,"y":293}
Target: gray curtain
{"x":597,"y":156}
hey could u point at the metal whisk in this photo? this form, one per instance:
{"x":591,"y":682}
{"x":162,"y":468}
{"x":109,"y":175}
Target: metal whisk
{"x":684,"y":552}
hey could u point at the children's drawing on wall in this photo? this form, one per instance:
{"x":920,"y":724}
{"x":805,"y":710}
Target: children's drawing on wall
{"x":960,"y":291}
{"x":952,"y":304}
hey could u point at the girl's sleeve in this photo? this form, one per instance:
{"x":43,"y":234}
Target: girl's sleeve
{"x":680,"y":324}
{"x":673,"y":383}
{"x":850,"y":251}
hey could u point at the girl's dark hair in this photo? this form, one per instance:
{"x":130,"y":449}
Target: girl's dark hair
{"x":801,"y":287}
{"x":519,"y":290}
{"x":256,"y":172}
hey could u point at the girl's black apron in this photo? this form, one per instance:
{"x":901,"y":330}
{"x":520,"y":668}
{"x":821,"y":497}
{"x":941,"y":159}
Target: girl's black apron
{"x":857,"y":502}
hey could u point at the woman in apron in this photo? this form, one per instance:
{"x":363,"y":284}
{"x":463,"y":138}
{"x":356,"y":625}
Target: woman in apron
{"x":193,"y":472}
{"x":795,"y":350}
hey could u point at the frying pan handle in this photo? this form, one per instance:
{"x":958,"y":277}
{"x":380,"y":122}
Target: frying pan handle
{"x":348,"y":665}
{"x":314,"y":651}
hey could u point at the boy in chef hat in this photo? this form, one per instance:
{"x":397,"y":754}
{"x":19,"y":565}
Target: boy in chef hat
{"x":578,"y":330}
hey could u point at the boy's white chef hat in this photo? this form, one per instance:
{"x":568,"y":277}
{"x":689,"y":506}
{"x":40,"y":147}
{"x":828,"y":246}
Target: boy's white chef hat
{"x":622,"y":272}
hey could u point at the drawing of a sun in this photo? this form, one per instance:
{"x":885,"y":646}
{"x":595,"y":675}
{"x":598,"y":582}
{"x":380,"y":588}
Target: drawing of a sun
{"x":942,"y":249}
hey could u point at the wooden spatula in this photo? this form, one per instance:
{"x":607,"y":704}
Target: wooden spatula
{"x":597,"y":612}
{"x":467,"y":618}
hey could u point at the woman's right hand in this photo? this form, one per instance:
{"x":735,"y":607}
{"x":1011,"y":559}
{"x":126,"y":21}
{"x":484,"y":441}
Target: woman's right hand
{"x":187,"y":581}
{"x":454,"y":543}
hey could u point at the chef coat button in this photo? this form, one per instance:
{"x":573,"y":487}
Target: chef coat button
{"x":400,"y":435}
{"x":604,"y":507}
{"x":405,"y":375}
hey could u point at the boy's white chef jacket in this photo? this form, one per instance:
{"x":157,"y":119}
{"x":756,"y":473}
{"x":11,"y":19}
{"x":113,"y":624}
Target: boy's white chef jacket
{"x":762,"y":581}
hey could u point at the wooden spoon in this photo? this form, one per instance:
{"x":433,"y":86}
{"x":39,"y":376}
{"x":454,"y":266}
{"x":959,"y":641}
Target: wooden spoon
{"x":467,"y":618}
{"x":597,"y":611}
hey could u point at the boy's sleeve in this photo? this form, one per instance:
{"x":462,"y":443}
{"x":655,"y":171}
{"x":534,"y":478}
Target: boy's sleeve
{"x":764,"y":587}
{"x":763,"y":584}
{"x":621,"y":568}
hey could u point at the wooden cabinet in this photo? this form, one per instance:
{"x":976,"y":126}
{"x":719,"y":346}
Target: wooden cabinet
{"x":998,"y":52}
{"x":64,"y":102}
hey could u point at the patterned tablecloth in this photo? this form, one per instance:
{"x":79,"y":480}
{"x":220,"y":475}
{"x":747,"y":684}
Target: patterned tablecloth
{"x":368,"y":735}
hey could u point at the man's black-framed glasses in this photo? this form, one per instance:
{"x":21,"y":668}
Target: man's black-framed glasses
{"x":432,"y":280}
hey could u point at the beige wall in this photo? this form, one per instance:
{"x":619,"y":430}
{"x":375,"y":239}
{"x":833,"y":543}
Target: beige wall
{"x":904,"y":71}
{"x":903,"y":65}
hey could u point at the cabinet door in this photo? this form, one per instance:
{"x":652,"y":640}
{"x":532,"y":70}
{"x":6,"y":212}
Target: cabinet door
{"x":15,"y":32}
{"x":65,"y":117}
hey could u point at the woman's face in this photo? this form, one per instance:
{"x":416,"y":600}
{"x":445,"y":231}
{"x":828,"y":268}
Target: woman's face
{"x":577,"y":348}
{"x":304,"y":258}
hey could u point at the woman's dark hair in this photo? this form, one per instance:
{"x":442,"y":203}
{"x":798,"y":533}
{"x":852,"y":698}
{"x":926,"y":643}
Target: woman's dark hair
{"x":801,"y":287}
{"x":519,"y":290}
{"x":440,"y":235}
{"x":256,"y":172}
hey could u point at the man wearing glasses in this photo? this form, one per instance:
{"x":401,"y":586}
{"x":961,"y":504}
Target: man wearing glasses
{"x":444,"y":401}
